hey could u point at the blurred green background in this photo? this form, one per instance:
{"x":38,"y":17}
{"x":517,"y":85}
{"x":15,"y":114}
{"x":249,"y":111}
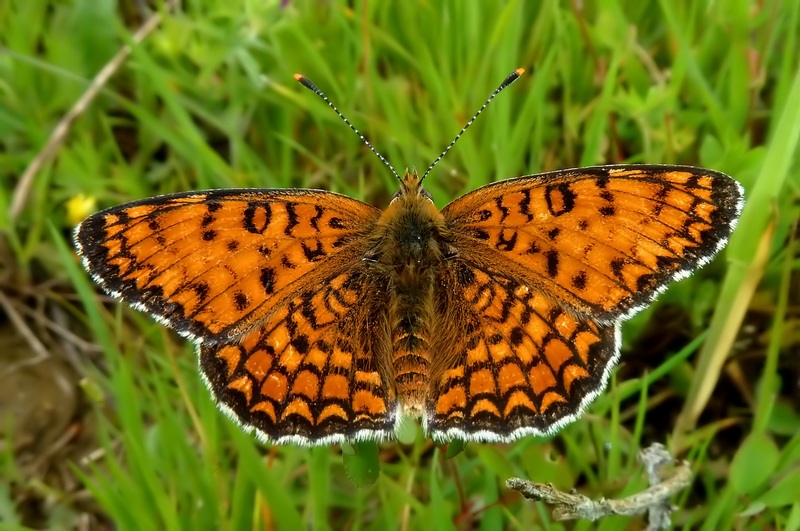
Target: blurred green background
{"x":105,"y":422}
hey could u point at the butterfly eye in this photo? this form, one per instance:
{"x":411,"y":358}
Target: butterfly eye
{"x":395,"y":195}
{"x":426,"y":194}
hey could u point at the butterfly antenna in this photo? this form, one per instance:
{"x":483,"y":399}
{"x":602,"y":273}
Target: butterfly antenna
{"x":307,"y":83}
{"x":513,"y":76}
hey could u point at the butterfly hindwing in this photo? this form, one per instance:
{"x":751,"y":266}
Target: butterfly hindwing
{"x":516,"y":362}
{"x":311,"y":372}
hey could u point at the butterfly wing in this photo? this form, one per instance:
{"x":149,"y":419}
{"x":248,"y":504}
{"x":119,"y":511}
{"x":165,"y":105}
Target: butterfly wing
{"x":512,"y":361}
{"x":546,"y":268}
{"x":212,"y":265}
{"x":604,"y":240}
{"x":311,"y":373}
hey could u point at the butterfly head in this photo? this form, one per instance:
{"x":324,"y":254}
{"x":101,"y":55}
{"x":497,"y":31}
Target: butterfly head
{"x":411,"y":188}
{"x":411,"y":232}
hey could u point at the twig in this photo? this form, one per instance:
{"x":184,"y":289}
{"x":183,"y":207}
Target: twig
{"x":40,"y":351}
{"x":654,"y":500}
{"x":62,"y":128}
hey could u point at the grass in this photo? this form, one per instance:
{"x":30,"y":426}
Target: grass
{"x":208,"y":101}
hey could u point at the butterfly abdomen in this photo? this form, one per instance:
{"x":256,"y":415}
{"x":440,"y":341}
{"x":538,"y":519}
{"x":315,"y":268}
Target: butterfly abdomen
{"x":411,"y":271}
{"x":411,"y":291}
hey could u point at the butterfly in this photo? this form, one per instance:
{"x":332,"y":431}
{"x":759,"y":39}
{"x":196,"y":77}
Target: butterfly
{"x":321,"y":319}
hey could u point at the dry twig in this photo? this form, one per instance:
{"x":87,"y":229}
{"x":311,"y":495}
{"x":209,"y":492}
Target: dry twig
{"x":654,"y":500}
{"x":62,"y":128}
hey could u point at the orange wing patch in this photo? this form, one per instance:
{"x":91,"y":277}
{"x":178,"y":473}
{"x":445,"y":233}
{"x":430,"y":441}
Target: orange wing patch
{"x":310,"y":373}
{"x":212,"y":264}
{"x":525,"y":364}
{"x":605,"y":240}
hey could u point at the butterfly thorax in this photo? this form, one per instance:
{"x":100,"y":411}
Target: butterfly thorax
{"x":411,"y":244}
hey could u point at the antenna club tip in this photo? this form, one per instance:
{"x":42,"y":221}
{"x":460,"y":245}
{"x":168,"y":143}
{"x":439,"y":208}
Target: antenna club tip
{"x":519,"y":71}
{"x":303,"y":80}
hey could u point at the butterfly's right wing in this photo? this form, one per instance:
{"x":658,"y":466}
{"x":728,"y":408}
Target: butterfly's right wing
{"x":510,"y":361}
{"x":603,"y":240}
{"x":213,"y":264}
{"x":546,"y":268}
{"x":311,"y":373}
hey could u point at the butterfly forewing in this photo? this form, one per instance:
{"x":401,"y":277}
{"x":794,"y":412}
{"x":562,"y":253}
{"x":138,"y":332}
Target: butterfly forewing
{"x":603,"y":240}
{"x":213,"y":264}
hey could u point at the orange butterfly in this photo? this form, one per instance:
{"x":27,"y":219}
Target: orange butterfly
{"x":321,"y":319}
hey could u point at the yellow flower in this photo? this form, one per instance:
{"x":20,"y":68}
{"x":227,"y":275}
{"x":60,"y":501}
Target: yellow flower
{"x":80,"y":206}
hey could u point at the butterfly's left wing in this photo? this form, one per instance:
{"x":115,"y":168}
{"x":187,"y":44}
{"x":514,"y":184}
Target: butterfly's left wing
{"x":213,"y":264}
{"x":603,"y":240}
{"x":313,"y":372}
